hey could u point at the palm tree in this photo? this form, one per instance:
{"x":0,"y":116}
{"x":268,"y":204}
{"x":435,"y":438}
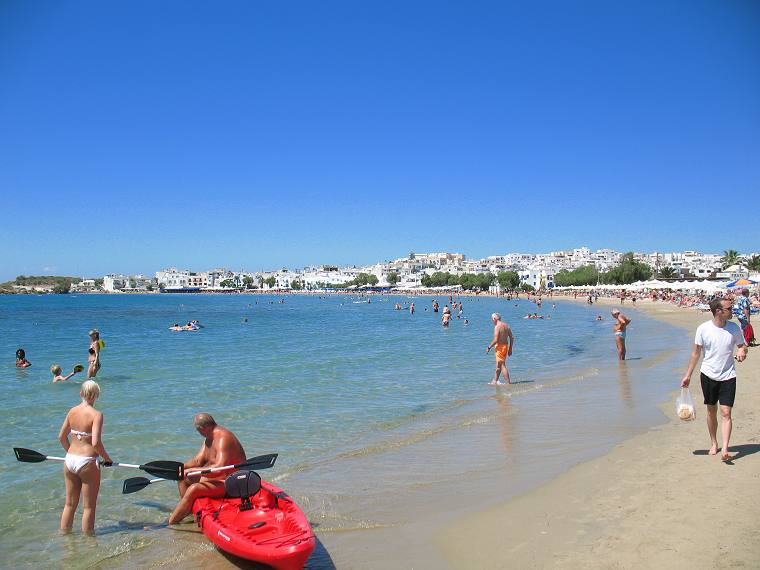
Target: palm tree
{"x":730,"y":257}
{"x":753,"y":263}
{"x":667,"y":273}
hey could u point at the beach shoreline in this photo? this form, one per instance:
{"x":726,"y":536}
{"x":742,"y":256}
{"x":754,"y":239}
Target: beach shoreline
{"x":641,"y":505}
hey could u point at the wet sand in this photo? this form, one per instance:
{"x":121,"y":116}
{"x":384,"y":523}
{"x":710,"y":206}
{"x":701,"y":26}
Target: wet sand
{"x":657,"y":500}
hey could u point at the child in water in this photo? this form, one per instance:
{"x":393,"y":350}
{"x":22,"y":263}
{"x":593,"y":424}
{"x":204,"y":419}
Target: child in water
{"x":55,"y":370}
{"x":21,"y":361}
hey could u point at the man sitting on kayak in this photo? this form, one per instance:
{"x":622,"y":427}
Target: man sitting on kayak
{"x":220,"y":448}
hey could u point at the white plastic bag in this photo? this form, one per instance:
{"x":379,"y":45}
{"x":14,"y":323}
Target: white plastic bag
{"x":685,"y":408}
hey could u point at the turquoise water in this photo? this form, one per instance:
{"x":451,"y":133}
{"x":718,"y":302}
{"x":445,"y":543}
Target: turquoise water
{"x":338,"y":388}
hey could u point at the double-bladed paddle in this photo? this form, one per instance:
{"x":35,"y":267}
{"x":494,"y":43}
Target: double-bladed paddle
{"x":134,"y":484}
{"x":173,"y":470}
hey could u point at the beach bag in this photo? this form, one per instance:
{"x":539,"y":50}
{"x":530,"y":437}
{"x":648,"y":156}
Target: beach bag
{"x":749,"y":334}
{"x":685,"y":406}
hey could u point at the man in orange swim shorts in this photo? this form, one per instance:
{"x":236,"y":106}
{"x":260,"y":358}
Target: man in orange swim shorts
{"x":503,"y":340}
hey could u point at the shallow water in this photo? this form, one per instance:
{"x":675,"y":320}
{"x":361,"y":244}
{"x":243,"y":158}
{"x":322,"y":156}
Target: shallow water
{"x":368,"y":407}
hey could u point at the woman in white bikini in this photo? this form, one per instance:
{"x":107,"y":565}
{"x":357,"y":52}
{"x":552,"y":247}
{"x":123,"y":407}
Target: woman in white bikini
{"x":80,"y":436}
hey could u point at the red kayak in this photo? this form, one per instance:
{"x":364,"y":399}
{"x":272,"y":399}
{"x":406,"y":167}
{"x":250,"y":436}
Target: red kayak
{"x":267,"y":527}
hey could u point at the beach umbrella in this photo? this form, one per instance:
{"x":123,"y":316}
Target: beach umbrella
{"x":740,"y":283}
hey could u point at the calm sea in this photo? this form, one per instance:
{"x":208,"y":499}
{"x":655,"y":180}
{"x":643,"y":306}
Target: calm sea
{"x":368,"y":407}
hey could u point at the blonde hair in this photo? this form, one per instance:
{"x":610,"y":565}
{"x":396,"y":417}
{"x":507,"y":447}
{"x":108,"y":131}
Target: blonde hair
{"x":90,"y":391}
{"x":55,"y":369}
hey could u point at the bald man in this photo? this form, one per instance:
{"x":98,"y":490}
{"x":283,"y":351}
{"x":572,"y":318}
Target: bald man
{"x":220,"y":448}
{"x":503,"y":339}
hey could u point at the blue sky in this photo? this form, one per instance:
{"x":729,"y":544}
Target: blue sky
{"x":138,"y":135}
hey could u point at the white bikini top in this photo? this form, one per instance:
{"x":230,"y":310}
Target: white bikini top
{"x":80,"y":434}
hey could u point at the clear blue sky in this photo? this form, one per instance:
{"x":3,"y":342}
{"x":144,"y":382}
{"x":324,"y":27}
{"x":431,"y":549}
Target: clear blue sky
{"x":137,"y":135}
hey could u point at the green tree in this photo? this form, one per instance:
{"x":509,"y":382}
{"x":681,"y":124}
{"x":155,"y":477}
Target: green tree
{"x":474,"y":281}
{"x":392,"y":278}
{"x":527,"y":287}
{"x":730,"y":257}
{"x":270,"y":281}
{"x":508,"y":279}
{"x":586,"y":275}
{"x":248,"y":282}
{"x":364,"y":279}
{"x":296,"y":285}
{"x":227,"y":284}
{"x":627,"y":271}
{"x":62,"y":288}
{"x":437,"y":279}
{"x":149,"y":287}
{"x":667,"y":273}
{"x":753,"y":263}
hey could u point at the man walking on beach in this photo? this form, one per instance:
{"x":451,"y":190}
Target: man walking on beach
{"x":220,"y":448}
{"x":717,"y":338}
{"x":621,"y":322}
{"x":503,"y":339}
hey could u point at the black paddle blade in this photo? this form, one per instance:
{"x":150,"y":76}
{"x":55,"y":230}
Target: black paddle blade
{"x":259,"y":462}
{"x":134,"y":484}
{"x":172,"y":470}
{"x":28,"y":455}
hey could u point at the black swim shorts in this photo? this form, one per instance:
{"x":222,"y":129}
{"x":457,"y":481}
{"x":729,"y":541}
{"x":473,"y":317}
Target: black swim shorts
{"x":716,"y":391}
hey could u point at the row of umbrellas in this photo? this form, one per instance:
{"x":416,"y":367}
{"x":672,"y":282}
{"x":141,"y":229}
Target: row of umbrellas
{"x":707,"y":286}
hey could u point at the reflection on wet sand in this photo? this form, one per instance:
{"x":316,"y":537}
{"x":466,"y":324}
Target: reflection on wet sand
{"x":626,"y":394}
{"x":507,"y":423}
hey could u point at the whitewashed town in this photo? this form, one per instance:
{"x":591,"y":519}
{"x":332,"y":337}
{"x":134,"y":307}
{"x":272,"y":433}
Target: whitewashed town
{"x":536,"y":271}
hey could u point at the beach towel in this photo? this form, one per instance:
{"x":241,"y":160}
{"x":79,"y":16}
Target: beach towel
{"x":749,"y":334}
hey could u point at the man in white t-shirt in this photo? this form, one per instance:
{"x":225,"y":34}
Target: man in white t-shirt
{"x":717,"y":338}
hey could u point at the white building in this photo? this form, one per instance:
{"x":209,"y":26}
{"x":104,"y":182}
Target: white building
{"x":118,"y":283}
{"x":538,"y":278}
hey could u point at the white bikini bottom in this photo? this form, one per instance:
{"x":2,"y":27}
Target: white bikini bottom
{"x":76,"y":463}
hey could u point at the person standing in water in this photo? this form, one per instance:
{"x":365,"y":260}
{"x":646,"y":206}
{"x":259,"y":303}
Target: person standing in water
{"x":619,"y":328}
{"x":503,"y":339}
{"x":94,"y":350}
{"x":21,"y":361}
{"x":81,"y":438}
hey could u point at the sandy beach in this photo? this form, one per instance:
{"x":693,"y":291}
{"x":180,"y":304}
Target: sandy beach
{"x":657,"y":500}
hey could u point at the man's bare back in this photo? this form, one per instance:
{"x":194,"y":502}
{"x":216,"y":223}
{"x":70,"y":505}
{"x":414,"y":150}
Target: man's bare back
{"x":502,"y":332}
{"x":220,"y":448}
